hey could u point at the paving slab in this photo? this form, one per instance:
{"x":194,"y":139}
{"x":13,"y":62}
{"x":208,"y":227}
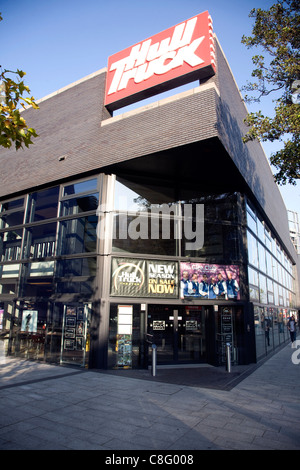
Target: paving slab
{"x":47,"y":407}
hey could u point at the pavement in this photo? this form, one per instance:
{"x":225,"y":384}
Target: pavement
{"x":48,"y":407}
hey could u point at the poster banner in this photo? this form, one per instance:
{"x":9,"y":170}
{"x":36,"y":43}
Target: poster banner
{"x":209,"y":281}
{"x":29,"y":321}
{"x":141,"y":278}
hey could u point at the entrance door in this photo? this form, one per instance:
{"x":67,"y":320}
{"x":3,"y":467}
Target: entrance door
{"x":178,"y":332}
{"x":191,"y":334}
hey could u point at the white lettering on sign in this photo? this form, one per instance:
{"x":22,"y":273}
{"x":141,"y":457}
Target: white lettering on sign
{"x":147,"y":59}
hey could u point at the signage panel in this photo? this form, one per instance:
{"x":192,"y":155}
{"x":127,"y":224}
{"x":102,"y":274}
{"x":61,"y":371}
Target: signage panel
{"x":141,"y":278}
{"x":209,"y":281}
{"x":174,"y":57}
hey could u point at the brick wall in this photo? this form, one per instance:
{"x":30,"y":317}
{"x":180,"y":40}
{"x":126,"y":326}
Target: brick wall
{"x":72,"y":141}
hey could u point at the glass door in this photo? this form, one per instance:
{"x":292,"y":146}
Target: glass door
{"x":178,"y":333}
{"x":191,"y":334}
{"x":161,"y":332}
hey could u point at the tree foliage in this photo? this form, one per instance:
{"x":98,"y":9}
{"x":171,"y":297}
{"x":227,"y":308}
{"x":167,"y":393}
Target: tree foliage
{"x":14,"y":93}
{"x":276,"y":32}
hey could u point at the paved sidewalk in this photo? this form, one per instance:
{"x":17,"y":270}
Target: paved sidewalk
{"x":50,"y":407}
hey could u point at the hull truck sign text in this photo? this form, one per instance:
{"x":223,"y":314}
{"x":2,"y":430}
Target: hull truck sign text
{"x":176,"y":56}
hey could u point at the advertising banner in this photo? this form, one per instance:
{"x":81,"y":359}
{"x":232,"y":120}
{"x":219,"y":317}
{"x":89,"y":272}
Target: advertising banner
{"x":29,"y":321}
{"x":141,"y":278}
{"x":209,"y":281}
{"x":176,"y":56}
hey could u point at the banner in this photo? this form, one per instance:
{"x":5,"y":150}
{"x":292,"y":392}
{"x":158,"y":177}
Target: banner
{"x":209,"y":281}
{"x":29,"y":321}
{"x":140,"y":278}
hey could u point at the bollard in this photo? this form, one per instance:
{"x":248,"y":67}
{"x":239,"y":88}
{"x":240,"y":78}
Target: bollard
{"x":154,"y":359}
{"x":228,"y":363}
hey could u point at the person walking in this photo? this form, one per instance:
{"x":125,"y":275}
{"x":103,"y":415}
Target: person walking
{"x":292,"y":327}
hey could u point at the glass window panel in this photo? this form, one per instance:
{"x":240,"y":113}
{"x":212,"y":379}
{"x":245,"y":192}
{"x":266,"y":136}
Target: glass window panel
{"x":77,"y":205}
{"x":268,"y":239}
{"x":279,"y":267}
{"x":43,"y":205}
{"x":263,"y":288}
{"x":270,"y":285}
{"x":8,"y":288}
{"x":133,"y":197}
{"x":262,"y":257}
{"x":275,"y":268}
{"x":40,"y":241}
{"x":9,"y":220}
{"x":83,"y":287}
{"x":253,"y":276}
{"x":10,"y":245}
{"x":78,"y":235}
{"x":269,"y":264}
{"x":270,"y":297}
{"x":251,"y":212}
{"x":80,"y":187}
{"x":214,"y":242}
{"x":10,"y":205}
{"x":274,"y":247}
{"x":9,"y":270}
{"x":76,"y":267}
{"x":132,"y":234}
{"x":252,"y":249}
{"x":254,"y":293}
{"x":279,"y":253}
{"x":226,"y":209}
{"x":128,"y":200}
{"x":40,"y":287}
{"x":251,"y":222}
{"x":276,"y":296}
{"x":261,"y":231}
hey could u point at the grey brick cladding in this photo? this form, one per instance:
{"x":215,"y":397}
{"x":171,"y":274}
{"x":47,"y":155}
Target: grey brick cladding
{"x":69,"y":124}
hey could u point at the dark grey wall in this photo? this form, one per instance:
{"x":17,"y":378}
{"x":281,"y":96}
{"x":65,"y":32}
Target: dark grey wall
{"x":69,"y":123}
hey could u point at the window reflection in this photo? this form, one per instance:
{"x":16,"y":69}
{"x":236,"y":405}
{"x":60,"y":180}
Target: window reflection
{"x":252,"y":249}
{"x":12,"y":219}
{"x":265,"y":254}
{"x":76,"y":205}
{"x":40,"y":241}
{"x":10,"y":245}
{"x":43,"y":205}
{"x":76,"y":267}
{"x":78,"y":235}
{"x":132,"y":234}
{"x":80,"y":187}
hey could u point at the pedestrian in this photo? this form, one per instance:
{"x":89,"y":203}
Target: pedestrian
{"x":267,"y":330}
{"x":292,"y":327}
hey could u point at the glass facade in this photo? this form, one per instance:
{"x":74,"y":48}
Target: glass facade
{"x":271,"y":285}
{"x":149,"y":222}
{"x":55,"y":271}
{"x":47,"y":272}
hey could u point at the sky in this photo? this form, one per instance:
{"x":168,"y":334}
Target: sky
{"x":57,"y":42}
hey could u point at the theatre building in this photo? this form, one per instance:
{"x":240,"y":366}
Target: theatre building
{"x":123,"y":228}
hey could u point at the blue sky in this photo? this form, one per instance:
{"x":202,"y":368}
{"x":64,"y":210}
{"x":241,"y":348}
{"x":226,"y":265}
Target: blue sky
{"x":57,"y":42}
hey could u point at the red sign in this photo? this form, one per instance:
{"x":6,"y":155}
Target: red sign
{"x":176,"y":56}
